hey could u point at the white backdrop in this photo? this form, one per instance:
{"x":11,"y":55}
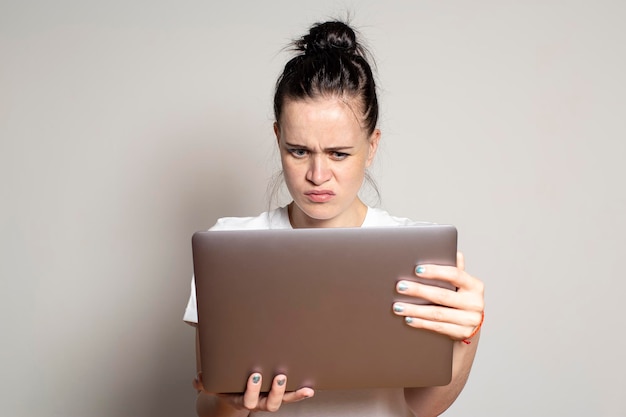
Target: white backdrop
{"x":127,"y":126}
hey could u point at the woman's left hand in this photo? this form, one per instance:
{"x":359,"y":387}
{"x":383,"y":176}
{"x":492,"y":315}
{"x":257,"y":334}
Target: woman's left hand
{"x":455,"y":313}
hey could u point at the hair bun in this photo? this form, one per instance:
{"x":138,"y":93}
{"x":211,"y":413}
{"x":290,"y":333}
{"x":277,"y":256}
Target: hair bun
{"x":329,"y":36}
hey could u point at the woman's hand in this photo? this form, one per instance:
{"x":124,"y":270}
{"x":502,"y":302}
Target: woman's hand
{"x":253,"y":400}
{"x":456,"y":314}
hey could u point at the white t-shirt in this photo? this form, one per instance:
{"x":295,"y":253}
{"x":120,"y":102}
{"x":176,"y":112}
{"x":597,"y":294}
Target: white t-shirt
{"x":384,"y":402}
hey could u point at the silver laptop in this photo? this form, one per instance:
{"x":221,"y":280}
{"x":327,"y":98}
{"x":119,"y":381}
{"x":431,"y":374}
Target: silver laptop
{"x":316,"y":305}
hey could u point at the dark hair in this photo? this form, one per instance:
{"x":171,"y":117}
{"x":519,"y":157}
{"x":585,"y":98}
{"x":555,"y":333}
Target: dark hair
{"x":330,"y":63}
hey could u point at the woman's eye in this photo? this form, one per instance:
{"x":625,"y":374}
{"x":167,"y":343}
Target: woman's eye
{"x":339,"y":155}
{"x":298,"y":153}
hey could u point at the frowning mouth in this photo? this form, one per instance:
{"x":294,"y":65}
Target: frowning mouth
{"x":319,"y":196}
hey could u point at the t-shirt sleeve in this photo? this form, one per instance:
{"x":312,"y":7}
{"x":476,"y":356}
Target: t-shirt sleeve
{"x":191,"y":312}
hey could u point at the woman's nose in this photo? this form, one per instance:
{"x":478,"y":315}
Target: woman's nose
{"x":319,"y":171}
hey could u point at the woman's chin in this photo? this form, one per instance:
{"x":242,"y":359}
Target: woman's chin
{"x":312,"y":214}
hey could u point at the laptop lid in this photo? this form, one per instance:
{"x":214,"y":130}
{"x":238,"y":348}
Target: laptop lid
{"x":316,"y":305}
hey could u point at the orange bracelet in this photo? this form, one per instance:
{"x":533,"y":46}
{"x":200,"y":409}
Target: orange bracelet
{"x":468,"y":341}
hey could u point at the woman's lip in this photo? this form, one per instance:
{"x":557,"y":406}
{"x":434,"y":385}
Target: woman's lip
{"x":319,"y":196}
{"x":319,"y":192}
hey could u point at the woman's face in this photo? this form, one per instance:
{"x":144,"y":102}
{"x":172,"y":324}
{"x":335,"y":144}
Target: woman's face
{"x":324,"y":151}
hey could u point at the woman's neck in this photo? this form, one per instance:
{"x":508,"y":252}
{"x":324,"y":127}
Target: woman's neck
{"x":352,"y":217}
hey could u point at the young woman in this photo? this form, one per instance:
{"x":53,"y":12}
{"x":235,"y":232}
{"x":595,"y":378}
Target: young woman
{"x":326,"y":113}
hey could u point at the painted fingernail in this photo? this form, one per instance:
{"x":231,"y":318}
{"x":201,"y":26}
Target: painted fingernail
{"x":281,"y":382}
{"x":398,"y":308}
{"x":420,"y":270}
{"x":408,"y":319}
{"x":402,"y":286}
{"x":256,"y":379}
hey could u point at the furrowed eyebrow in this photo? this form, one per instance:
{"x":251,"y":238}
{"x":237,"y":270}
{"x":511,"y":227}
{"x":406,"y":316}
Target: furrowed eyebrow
{"x":332,"y":149}
{"x":293,"y":145}
{"x":340,"y":148}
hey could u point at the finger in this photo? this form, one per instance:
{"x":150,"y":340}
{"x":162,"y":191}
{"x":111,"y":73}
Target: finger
{"x":453,"y":331}
{"x":432,"y":294}
{"x":253,"y":389}
{"x":299,"y":395}
{"x":471,"y":300}
{"x":197,"y":383}
{"x":236,"y":400}
{"x":275,"y":397}
{"x":454,"y":275}
{"x":438,"y":314}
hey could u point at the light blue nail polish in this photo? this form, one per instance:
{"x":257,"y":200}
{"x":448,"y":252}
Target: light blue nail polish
{"x":402,"y":287}
{"x":281,"y":382}
{"x":398,"y":308}
{"x":408,"y":319}
{"x":420,"y":270}
{"x":256,"y":379}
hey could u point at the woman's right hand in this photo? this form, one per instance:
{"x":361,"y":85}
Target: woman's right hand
{"x":253,"y":400}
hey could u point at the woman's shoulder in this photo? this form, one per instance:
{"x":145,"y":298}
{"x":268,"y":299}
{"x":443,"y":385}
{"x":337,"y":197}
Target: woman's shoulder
{"x":379,"y":217}
{"x":273,"y":219}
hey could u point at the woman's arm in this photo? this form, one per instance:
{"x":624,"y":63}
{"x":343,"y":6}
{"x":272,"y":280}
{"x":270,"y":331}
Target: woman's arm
{"x":457,"y":314}
{"x":432,"y":401}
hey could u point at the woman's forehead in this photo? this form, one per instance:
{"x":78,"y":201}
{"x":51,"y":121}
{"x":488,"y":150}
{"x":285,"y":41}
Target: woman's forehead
{"x":321,"y":112}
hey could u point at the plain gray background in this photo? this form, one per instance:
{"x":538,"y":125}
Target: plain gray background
{"x":127,"y":126}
